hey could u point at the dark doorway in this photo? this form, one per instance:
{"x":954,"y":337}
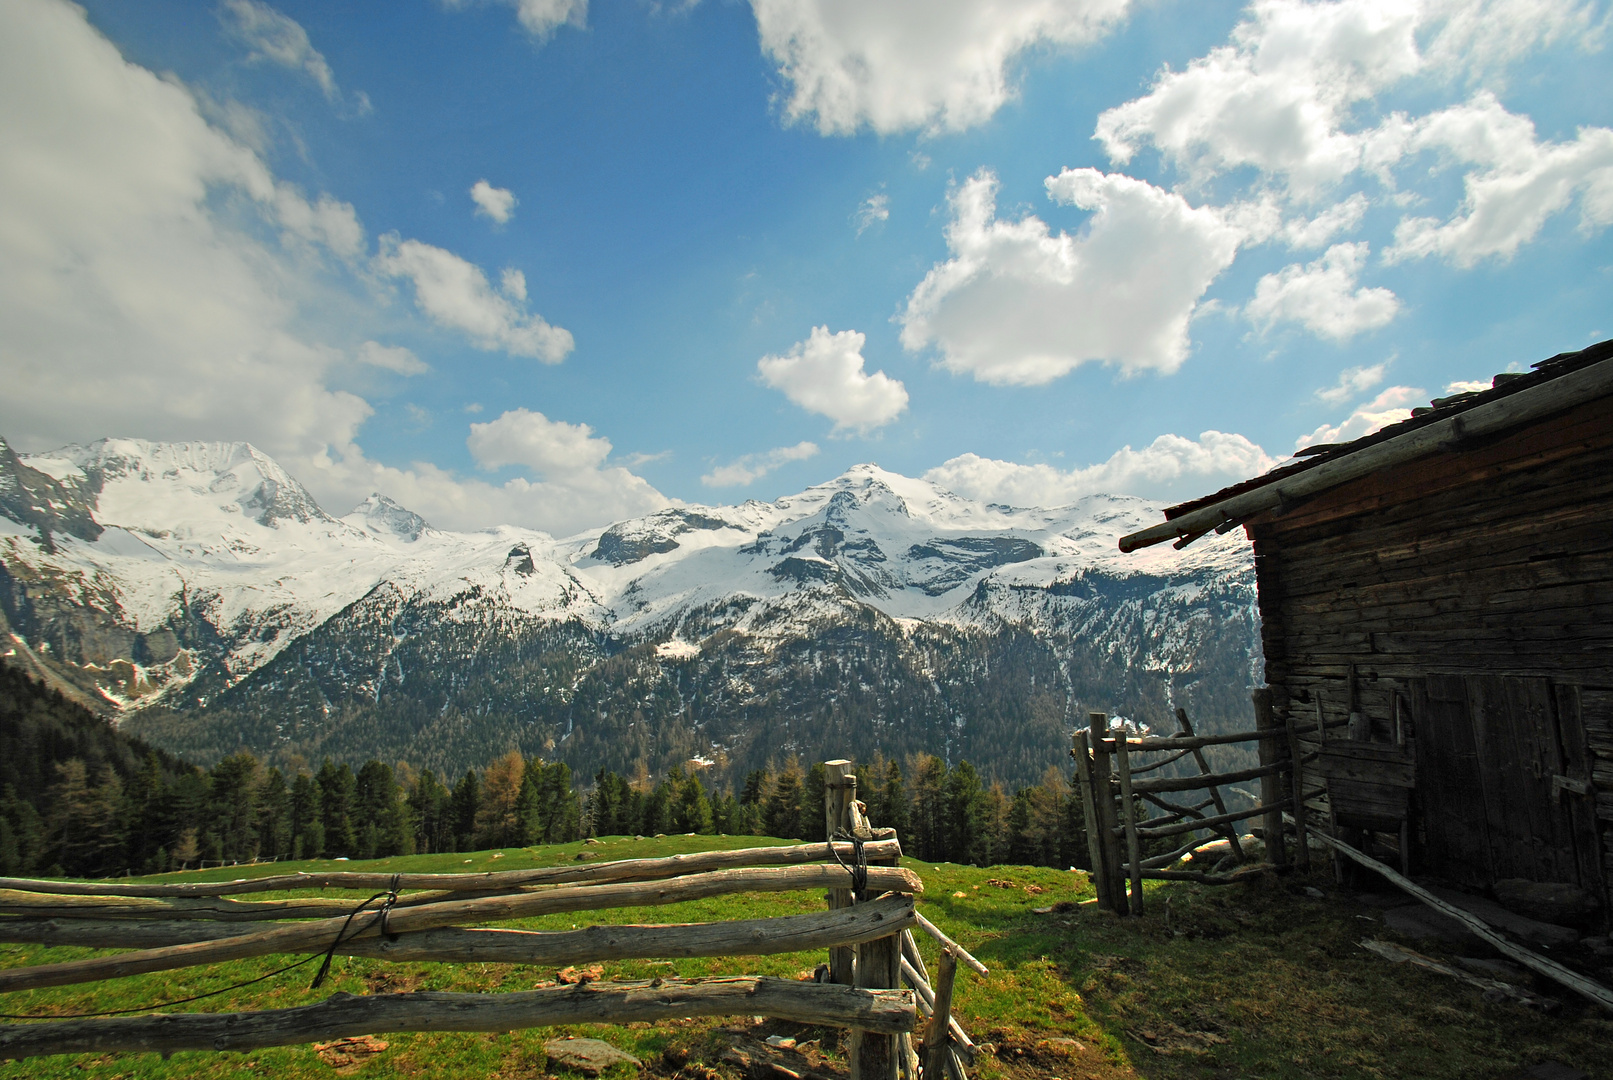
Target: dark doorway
{"x":1503,"y":781}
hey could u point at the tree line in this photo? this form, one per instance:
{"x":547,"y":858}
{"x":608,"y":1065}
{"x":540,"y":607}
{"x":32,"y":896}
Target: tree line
{"x":78,"y":798}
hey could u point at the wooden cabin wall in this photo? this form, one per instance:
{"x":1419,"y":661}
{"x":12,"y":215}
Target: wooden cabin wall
{"x":1492,"y":558}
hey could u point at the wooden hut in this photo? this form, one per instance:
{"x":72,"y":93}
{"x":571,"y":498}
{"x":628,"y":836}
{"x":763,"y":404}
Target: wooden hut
{"x":1446,"y":584}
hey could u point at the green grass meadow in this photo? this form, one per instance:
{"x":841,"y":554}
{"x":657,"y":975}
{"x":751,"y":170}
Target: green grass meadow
{"x":1249,"y":981}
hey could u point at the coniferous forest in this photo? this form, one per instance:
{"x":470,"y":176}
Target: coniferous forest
{"x":79,"y":798}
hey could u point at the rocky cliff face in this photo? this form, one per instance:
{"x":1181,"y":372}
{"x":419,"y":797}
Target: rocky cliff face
{"x":199,"y":594}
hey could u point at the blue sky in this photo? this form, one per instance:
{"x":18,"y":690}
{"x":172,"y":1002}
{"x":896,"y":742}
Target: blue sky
{"x":552,"y":263}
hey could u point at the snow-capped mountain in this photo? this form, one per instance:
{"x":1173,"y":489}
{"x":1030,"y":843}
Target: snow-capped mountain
{"x":200,"y":593}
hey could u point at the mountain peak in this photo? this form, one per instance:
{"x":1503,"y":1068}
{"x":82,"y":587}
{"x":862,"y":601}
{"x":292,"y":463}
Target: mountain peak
{"x":383,"y":517}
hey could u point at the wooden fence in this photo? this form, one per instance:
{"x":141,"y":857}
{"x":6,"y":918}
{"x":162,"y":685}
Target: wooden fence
{"x":868,"y":931}
{"x":1114,"y":785}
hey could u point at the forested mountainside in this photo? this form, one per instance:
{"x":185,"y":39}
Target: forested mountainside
{"x":78,"y":797}
{"x":199,"y":595}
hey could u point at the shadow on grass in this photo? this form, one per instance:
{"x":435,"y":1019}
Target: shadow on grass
{"x":1254,"y":980}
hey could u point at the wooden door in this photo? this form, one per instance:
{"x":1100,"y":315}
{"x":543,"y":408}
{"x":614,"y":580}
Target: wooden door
{"x":1450,"y":797}
{"x":1500,"y":757}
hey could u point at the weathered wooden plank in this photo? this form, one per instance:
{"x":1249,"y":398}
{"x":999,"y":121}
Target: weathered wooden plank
{"x":1587,"y":988}
{"x":1581,"y":808}
{"x":744,"y":937}
{"x":1449,"y":788}
{"x":1526,"y":462}
{"x":1407,"y":450}
{"x":1128,"y":806}
{"x":344,"y":1015}
{"x":839,"y":792}
{"x":938,"y":1036}
{"x":298,"y":936}
{"x":1162,"y":784}
{"x":1368,"y":763}
{"x":494,"y":882}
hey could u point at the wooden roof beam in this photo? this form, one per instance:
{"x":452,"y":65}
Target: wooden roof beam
{"x":1530,"y":404}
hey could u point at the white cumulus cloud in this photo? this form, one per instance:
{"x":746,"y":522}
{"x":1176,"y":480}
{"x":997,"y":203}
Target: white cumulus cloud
{"x":145,"y":286}
{"x":1520,"y":182}
{"x":1017,"y":304}
{"x":1278,"y":96}
{"x":750,"y":468}
{"x":540,"y":18}
{"x":872,"y":211}
{"x":1389,"y":407}
{"x":496,"y":204}
{"x":280,"y":39}
{"x":1353,"y":381}
{"x":575,"y":487}
{"x":392,"y":358}
{"x":1285,"y":95}
{"x":1323,"y":296}
{"x":455,"y":293}
{"x":1157,"y":470}
{"x":824,"y":374}
{"x":902,"y":65}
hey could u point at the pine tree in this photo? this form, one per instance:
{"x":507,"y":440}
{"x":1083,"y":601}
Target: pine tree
{"x":233,"y":807}
{"x":429,"y":806}
{"x":782,"y":815}
{"x":307,"y":827}
{"x":813,"y":815}
{"x":337,"y":786}
{"x":692,"y":810}
{"x":889,"y":804}
{"x":463,"y":810}
{"x":274,"y":815}
{"x":929,"y":821}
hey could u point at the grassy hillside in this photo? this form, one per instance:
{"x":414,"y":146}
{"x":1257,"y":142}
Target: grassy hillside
{"x":1249,"y":981}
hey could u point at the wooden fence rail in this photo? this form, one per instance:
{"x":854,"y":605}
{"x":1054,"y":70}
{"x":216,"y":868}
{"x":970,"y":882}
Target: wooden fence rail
{"x":1112,"y":792}
{"x":434,"y":917}
{"x":344,"y":1015}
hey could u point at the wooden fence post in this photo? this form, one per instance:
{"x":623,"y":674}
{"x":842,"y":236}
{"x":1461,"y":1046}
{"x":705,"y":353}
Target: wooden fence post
{"x":1083,"y":780}
{"x":1215,"y":789}
{"x":839,"y":790}
{"x":1271,"y":785}
{"x":1114,"y":873}
{"x":1302,"y":837}
{"x":937,"y":1037}
{"x":1128,"y":806}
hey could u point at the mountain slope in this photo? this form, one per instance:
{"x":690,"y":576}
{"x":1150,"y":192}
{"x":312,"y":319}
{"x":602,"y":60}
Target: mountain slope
{"x":199,"y":593}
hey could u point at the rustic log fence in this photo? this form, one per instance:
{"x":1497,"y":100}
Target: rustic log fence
{"x":867,"y":931}
{"x":1113,"y":787}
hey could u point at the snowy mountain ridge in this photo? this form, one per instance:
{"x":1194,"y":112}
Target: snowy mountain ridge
{"x":164,"y":575}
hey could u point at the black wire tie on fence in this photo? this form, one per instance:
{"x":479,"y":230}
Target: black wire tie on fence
{"x":389,"y":898}
{"x":329,"y":954}
{"x":859,"y":868}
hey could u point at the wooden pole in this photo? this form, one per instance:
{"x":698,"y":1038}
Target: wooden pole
{"x":839,"y":792}
{"x":1103,"y":795}
{"x":937,"y":1035}
{"x":747,"y":937}
{"x":1095,"y":837}
{"x":346,"y":1015}
{"x":1270,"y":785}
{"x":1215,"y":789}
{"x":1587,"y":988}
{"x":1302,"y":838}
{"x":874,"y":1055}
{"x":300,"y":936}
{"x":500,"y":881}
{"x":1128,"y":806}
{"x":947,"y":943}
{"x":961,"y":1043}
